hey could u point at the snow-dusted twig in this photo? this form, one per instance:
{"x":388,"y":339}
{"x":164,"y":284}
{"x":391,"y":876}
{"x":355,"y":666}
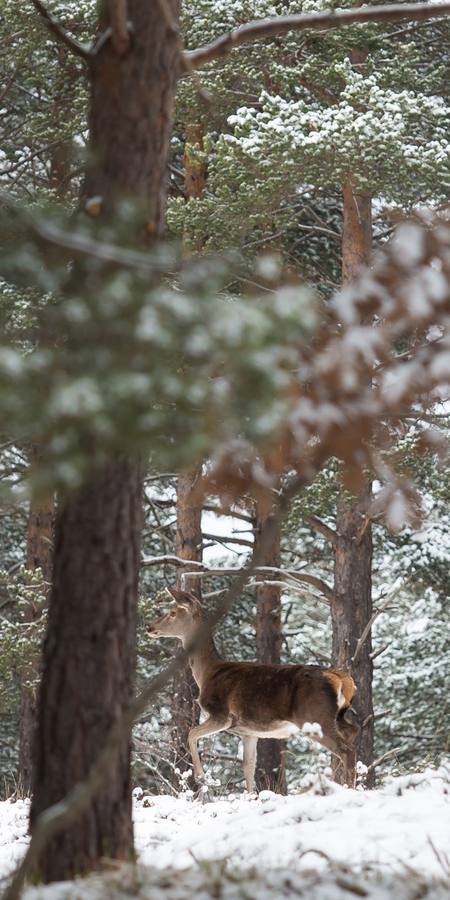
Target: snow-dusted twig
{"x":266,"y":28}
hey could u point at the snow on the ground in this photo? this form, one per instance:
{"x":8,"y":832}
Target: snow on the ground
{"x":389,"y":827}
{"x":391,"y":842}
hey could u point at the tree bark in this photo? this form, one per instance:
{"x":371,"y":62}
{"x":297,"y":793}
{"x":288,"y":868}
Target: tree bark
{"x":351,"y":608}
{"x":90,"y":648}
{"x":270,"y":762}
{"x":89,"y":665}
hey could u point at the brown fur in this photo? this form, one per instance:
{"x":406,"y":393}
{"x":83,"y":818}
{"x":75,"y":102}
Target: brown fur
{"x":254,"y":700}
{"x":341,"y":681}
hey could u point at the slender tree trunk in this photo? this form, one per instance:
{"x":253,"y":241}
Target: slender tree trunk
{"x":352,"y":607}
{"x":39,"y":557}
{"x":356,"y":231}
{"x":90,"y":648}
{"x":270,"y":764}
{"x":189,"y":511}
{"x":42,"y":511}
{"x":189,"y":547}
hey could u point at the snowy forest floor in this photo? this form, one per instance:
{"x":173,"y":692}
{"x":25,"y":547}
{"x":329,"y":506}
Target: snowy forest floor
{"x":328,"y":843}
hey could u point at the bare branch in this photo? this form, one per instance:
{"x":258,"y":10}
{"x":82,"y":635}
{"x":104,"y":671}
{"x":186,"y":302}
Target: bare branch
{"x":224,"y":539}
{"x":380,"y":651}
{"x":60,"y":34}
{"x":266,"y":28}
{"x":221,"y":511}
{"x":322,"y":529}
{"x":170,"y":559}
{"x":372,"y":619}
{"x":381,"y":759}
{"x":367,"y":629}
{"x":168,"y":17}
{"x":120,"y":35}
{"x":200,"y":570}
{"x":295,"y":588}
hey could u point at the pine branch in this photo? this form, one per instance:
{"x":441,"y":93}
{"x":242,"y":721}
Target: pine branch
{"x":266,"y":28}
{"x":60,"y":33}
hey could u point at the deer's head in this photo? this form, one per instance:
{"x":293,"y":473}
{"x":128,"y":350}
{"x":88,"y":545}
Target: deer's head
{"x":181,"y":621}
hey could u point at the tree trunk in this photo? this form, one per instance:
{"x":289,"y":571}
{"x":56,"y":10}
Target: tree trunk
{"x":270,"y":764}
{"x":90,"y":648}
{"x":39,"y":557}
{"x":189,"y":547}
{"x":89,"y":665}
{"x":356,"y":231}
{"x":352,"y":607}
{"x":42,"y":511}
{"x":189,"y":512}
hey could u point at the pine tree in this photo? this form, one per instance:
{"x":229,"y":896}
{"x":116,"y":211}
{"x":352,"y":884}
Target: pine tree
{"x":89,"y":652}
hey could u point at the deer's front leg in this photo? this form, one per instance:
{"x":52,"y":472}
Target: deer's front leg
{"x":250,"y":744}
{"x":211,"y":726}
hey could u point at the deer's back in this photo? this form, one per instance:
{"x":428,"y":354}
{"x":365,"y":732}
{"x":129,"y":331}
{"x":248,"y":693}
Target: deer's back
{"x":262,"y":698}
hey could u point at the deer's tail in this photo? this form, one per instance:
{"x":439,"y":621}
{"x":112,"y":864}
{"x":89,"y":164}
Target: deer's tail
{"x":343,"y":686}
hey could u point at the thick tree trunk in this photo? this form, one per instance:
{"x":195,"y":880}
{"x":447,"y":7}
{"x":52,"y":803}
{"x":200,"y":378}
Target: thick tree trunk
{"x":39,"y":557}
{"x":352,"y":607}
{"x":89,"y":664}
{"x":270,"y":764}
{"x":189,"y":547}
{"x":89,"y":653}
{"x":189,"y":511}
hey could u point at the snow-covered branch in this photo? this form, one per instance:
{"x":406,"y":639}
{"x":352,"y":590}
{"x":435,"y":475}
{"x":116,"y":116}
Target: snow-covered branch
{"x":323,"y":21}
{"x":200,"y":570}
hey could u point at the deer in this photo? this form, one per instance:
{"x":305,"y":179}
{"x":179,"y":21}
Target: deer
{"x":256,"y":700}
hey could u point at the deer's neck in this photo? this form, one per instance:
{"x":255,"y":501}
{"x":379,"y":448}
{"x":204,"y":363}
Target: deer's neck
{"x":202,"y":659}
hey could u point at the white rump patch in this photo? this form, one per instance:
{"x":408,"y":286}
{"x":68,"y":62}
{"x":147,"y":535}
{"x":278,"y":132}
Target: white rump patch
{"x":341,"y":701}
